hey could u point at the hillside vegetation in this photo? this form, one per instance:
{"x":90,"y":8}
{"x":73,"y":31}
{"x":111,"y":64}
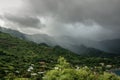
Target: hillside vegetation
{"x":25,"y":59}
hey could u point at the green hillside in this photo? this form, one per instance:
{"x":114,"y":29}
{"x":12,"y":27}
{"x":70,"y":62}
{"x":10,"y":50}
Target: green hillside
{"x":17,"y":56}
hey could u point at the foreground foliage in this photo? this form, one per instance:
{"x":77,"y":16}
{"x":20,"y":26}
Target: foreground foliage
{"x":65,"y":72}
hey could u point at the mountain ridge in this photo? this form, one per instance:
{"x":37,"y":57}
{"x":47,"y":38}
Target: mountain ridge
{"x":101,"y":46}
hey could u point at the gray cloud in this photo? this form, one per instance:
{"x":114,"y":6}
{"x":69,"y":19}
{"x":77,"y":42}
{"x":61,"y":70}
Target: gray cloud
{"x":104,"y":12}
{"x":93,"y":19}
{"x":24,"y":21}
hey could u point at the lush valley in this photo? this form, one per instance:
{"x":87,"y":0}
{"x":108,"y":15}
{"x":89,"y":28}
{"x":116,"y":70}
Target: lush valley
{"x":24,"y":59}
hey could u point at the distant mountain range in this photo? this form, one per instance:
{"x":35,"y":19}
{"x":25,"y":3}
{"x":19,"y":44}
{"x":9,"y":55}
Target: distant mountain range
{"x":84,"y":47}
{"x":111,"y":45}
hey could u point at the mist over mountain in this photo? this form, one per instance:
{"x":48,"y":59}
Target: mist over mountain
{"x":111,"y":45}
{"x":78,"y":46}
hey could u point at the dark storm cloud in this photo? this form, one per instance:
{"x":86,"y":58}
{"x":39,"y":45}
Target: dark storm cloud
{"x":104,"y":12}
{"x":24,"y":21}
{"x":94,"y":19}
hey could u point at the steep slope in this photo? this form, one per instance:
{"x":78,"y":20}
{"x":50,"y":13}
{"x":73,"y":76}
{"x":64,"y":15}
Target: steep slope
{"x":37,"y":38}
{"x":17,"y":54}
{"x":13,"y":32}
{"x":72,"y":44}
{"x":20,"y":46}
{"x":66,"y":42}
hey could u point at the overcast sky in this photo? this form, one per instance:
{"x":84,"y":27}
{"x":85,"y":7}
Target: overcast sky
{"x":92,"y":19}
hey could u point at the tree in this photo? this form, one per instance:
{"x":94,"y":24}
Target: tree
{"x":62,"y":63}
